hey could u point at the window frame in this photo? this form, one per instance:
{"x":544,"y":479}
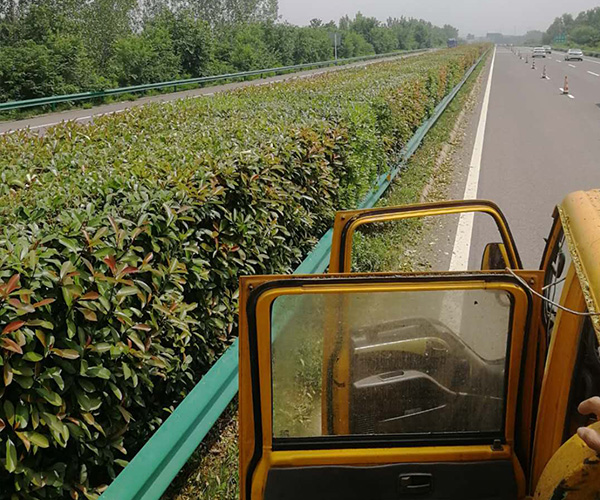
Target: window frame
{"x":349,"y":440}
{"x":347,"y":222}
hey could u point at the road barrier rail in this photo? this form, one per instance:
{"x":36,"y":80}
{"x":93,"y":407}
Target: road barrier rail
{"x":154,"y":467}
{"x":84,"y":96}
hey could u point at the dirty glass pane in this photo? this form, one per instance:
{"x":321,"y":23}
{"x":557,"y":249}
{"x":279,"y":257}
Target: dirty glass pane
{"x":411,"y":361}
{"x":424,"y":243}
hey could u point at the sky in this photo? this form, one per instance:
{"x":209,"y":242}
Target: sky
{"x":469,"y":16}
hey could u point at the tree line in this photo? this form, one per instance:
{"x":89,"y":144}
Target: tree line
{"x":53,"y":47}
{"x":583,"y":29}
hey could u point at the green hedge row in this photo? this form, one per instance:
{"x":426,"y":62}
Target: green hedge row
{"x":123,"y":241}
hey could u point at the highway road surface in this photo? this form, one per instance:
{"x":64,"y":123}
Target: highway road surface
{"x":533,"y":146}
{"x":40,"y":123}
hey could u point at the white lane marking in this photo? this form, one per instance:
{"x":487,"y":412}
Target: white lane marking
{"x":44,"y":125}
{"x":562,"y":91}
{"x":592,"y":73}
{"x":572,"y":65}
{"x":78,"y":119}
{"x":558,"y":60}
{"x":464,"y":232}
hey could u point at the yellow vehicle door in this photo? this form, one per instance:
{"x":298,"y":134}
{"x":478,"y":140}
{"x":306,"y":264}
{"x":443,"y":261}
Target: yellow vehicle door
{"x":563,"y":466}
{"x":381,"y":386}
{"x":495,"y":255}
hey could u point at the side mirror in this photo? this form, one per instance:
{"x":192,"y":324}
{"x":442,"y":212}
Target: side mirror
{"x":494,"y":257}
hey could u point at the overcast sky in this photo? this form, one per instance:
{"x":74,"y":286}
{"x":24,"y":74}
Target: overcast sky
{"x":469,"y":16}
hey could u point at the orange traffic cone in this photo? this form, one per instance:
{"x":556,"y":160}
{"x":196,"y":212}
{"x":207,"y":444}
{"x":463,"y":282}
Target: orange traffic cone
{"x":565,"y":89}
{"x":532,"y":63}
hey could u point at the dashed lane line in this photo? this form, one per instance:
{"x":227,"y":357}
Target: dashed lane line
{"x":592,"y":73}
{"x":572,"y":65}
{"x":562,"y":91}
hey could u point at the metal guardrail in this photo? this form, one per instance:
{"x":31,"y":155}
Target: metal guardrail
{"x":83,"y":96}
{"x":154,"y":467}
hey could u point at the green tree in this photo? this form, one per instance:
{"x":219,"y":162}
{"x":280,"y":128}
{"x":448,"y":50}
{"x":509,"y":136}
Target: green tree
{"x":74,"y":65}
{"x":449,"y":31}
{"x":281,"y":41}
{"x":242,"y":48}
{"x":146,"y":58}
{"x":384,"y":40}
{"x":585,"y":35}
{"x":105,"y":22}
{"x":312,"y":44}
{"x":354,"y":45}
{"x":364,"y":26}
{"x":192,"y":39}
{"x":422,"y":36}
{"x":94,"y":44}
{"x":560,"y":26}
{"x":28,"y":70}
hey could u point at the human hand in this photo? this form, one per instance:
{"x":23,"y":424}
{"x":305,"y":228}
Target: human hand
{"x":590,"y":436}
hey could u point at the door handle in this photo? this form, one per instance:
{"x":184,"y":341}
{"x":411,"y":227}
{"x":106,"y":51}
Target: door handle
{"x":415,"y":484}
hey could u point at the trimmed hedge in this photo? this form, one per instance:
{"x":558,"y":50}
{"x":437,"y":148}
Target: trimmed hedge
{"x":123,"y":242}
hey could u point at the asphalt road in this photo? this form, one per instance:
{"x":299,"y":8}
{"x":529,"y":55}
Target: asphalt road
{"x":40,"y":123}
{"x":539,"y":145}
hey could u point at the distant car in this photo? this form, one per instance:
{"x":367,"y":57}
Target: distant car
{"x":548,"y":49}
{"x":574,"y":55}
{"x":539,"y":52}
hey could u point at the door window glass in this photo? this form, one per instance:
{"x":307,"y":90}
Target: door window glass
{"x":401,"y":362}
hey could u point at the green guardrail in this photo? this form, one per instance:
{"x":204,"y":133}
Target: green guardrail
{"x":154,"y":467}
{"x":83,"y":96}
